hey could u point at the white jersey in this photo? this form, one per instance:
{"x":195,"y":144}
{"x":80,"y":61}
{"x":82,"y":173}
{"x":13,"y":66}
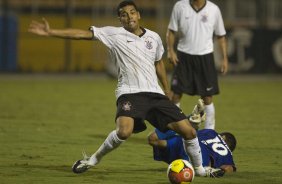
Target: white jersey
{"x":135,"y":58}
{"x":196,"y":28}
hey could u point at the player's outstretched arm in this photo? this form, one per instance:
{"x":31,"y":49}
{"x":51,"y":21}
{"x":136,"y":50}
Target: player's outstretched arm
{"x":43,"y":29}
{"x":153,"y":140}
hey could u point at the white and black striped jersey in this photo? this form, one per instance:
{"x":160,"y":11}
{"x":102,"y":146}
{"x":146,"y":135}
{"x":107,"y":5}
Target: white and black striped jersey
{"x":135,"y":57}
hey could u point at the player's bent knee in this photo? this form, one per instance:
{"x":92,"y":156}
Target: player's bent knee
{"x":184,"y":129}
{"x":123,"y":135}
{"x":188,"y":134}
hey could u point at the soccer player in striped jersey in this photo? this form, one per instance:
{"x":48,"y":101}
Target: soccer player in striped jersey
{"x":137,"y":52}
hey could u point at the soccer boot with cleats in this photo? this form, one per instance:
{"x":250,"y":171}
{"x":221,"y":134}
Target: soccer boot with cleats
{"x":82,"y":165}
{"x":198,"y":114}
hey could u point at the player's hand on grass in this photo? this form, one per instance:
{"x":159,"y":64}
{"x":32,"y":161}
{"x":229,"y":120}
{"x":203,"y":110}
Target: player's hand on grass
{"x":39,"y":28}
{"x":214,"y":172}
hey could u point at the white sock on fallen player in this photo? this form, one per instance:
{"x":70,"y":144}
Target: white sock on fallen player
{"x":110,"y":143}
{"x":193,"y":150}
{"x":210,"y":116}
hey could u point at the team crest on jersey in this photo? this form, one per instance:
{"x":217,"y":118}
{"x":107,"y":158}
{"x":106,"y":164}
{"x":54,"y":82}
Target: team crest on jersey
{"x":204,"y":18}
{"x":149,"y":43}
{"x":126,"y":106}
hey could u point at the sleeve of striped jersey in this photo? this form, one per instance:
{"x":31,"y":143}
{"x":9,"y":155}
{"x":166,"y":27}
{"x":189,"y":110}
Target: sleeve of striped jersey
{"x":160,"y":49}
{"x":104,"y":34}
{"x":219,"y":25}
{"x":173,"y":23}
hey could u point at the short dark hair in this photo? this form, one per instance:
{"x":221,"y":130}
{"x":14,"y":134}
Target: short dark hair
{"x":230,"y":140}
{"x":125,"y":3}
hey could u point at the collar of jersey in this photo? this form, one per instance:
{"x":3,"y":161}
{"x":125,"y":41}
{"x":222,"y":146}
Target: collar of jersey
{"x":198,"y":9}
{"x":144,"y":32}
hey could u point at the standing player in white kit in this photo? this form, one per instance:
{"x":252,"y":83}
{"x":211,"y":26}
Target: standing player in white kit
{"x":194,"y":23}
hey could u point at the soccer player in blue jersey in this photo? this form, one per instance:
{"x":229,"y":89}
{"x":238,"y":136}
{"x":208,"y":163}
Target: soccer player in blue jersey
{"x":216,"y":148}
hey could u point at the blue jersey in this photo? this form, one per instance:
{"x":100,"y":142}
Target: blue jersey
{"x":215,"y":152}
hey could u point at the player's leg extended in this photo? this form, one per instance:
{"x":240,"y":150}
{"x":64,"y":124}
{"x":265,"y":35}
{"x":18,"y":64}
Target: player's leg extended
{"x":191,"y":144}
{"x":210,"y":112}
{"x":114,"y":139}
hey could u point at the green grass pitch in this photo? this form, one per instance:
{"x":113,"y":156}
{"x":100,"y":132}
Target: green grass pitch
{"x":46,"y":121}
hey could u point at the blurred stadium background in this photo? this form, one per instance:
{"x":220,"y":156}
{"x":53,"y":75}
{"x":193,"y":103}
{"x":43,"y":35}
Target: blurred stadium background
{"x":254,"y":34}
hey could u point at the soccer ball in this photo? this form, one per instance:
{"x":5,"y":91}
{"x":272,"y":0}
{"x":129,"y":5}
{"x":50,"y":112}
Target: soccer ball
{"x":180,"y":172}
